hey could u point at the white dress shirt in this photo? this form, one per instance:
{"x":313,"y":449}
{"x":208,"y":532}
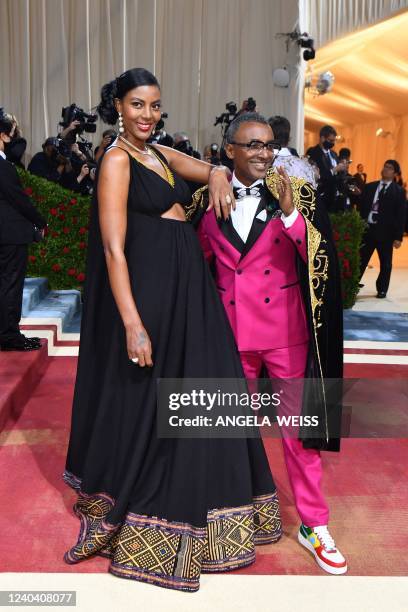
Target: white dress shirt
{"x":243,"y":215}
{"x":374,"y":209}
{"x":3,"y":155}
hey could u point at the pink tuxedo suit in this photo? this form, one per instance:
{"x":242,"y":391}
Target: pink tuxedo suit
{"x":260,"y":291}
{"x":258,"y":285}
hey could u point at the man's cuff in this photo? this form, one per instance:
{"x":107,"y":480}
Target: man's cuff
{"x":289,"y":220}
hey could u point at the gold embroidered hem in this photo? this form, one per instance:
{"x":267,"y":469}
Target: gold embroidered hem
{"x":171,"y":554}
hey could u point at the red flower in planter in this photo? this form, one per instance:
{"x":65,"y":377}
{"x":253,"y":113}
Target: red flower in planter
{"x":341,"y":254}
{"x":43,"y":252}
{"x":55,"y":234}
{"x":28,"y":191}
{"x":32,"y":258}
{"x":72,"y":272}
{"x":66,"y":230}
{"x":336,"y":236}
{"x":54,"y":212}
{"x":62,"y":217}
{"x":82,"y":230}
{"x":62,"y":207}
{"x":73,"y":201}
{"x":56,"y":268}
{"x":75,"y":220}
{"x":347,"y":236}
{"x":81,"y":277}
{"x":82,"y":245}
{"x":66,"y":250}
{"x":46,"y":231}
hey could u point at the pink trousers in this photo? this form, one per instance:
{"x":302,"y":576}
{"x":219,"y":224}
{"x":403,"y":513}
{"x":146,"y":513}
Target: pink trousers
{"x":304,"y":465}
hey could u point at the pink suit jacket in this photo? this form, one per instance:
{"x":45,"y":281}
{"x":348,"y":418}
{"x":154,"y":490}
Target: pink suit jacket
{"x":260,"y":288}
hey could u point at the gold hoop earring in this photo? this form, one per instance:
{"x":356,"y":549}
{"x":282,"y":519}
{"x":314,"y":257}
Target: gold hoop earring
{"x":121,"y":128}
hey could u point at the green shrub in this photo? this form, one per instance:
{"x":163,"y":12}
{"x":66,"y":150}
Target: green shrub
{"x":348,"y":229}
{"x":61,"y":256}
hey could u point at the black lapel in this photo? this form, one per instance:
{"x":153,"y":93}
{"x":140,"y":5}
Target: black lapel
{"x":231,"y":234}
{"x":271,"y":205}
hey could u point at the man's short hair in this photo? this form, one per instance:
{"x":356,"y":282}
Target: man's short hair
{"x":238,"y":121}
{"x":50,"y":141}
{"x":327,"y":130}
{"x":395,"y":164}
{"x":344,"y":153}
{"x":281,"y":129}
{"x":180,"y":136}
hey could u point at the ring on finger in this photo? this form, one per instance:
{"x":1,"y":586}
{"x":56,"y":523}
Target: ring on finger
{"x":228,"y":199}
{"x":135,"y":360}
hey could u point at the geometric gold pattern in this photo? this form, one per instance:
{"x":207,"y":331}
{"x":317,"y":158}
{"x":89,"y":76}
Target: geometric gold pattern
{"x":172,"y":554}
{"x":267,"y":519}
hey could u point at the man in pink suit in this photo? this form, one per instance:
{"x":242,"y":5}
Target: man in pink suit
{"x":258,"y":256}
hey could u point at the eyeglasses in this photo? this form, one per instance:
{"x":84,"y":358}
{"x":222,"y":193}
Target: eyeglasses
{"x":256,"y":146}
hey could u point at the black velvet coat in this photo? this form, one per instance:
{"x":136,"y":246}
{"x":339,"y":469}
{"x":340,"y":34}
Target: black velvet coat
{"x":321,"y":288}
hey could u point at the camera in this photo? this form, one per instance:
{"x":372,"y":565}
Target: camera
{"x":225,"y":118}
{"x":160,"y":123}
{"x":74,"y":113}
{"x":160,"y":135}
{"x":250,"y":105}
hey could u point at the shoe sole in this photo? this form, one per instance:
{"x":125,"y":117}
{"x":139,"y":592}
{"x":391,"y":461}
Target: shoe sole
{"x":324,"y":566}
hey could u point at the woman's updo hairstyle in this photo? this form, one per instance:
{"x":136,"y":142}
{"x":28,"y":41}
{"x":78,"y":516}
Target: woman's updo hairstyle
{"x":118,"y":88}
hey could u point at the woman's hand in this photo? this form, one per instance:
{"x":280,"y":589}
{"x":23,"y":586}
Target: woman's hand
{"x":285,"y":192}
{"x":221,"y":196}
{"x":139,"y":345}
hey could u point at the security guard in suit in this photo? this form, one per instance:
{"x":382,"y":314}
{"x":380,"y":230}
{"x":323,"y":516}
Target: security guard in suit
{"x":18,"y":222}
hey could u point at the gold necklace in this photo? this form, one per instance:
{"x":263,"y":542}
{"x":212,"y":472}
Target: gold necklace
{"x":145,"y":151}
{"x":169,"y":174}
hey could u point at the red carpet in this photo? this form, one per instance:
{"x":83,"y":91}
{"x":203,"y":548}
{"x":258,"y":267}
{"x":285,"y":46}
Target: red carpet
{"x":365,"y":486}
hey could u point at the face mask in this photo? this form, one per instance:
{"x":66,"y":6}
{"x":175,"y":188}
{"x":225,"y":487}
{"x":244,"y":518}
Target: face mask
{"x":327,"y":144}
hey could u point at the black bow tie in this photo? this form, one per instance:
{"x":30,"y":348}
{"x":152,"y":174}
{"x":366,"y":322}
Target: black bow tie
{"x":243,"y":192}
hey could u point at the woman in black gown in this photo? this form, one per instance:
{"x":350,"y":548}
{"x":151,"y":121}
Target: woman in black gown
{"x":163,"y":509}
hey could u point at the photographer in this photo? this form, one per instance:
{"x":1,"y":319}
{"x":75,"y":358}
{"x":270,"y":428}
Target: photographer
{"x":211,"y":154}
{"x":18,"y":222}
{"x":182,"y":143}
{"x":49,"y":164}
{"x":108,"y":137}
{"x":15,"y":149}
{"x":80,"y":169}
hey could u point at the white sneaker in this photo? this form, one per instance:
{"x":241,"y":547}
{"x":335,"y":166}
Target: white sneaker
{"x":319,"y":541}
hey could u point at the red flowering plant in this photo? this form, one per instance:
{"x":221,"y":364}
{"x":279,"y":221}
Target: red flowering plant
{"x":61,"y":256}
{"x":348,"y":229}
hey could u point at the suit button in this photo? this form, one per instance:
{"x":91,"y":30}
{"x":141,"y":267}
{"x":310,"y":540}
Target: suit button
{"x":239,"y":271}
{"x":232,"y":302}
{"x":277,"y":241}
{"x":298,"y":240}
{"x":267,"y":272}
{"x":267,"y":300}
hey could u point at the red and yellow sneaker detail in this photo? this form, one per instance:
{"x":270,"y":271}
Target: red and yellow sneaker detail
{"x":321,"y":544}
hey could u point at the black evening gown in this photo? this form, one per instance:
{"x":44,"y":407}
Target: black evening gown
{"x":163,"y":510}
